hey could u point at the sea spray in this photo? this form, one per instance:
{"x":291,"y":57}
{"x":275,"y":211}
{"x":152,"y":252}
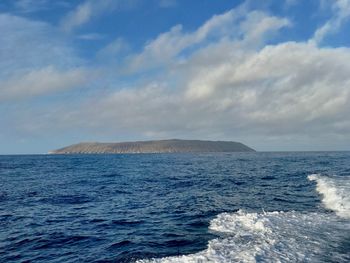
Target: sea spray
{"x":279,"y":236}
{"x":269,"y":237}
{"x":335,"y":191}
{"x":124,"y":208}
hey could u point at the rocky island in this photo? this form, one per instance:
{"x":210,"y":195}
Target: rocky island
{"x":160,"y":146}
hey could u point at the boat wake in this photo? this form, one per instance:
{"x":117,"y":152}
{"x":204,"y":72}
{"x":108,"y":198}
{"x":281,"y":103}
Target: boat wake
{"x":282,"y":236}
{"x":335,"y":191}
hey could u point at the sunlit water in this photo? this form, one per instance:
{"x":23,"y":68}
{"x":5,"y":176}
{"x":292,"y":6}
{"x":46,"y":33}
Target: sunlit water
{"x":240,"y":207}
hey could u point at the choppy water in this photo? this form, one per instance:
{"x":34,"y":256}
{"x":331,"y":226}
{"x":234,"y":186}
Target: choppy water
{"x":241,"y":207}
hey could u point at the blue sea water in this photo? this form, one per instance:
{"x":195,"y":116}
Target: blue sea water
{"x":222,"y":207}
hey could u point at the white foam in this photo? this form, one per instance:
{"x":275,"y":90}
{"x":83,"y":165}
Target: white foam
{"x":268,"y":237}
{"x":335,"y":191}
{"x":281,"y":236}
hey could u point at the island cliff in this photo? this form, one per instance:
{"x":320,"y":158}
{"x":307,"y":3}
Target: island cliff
{"x":162,"y":146}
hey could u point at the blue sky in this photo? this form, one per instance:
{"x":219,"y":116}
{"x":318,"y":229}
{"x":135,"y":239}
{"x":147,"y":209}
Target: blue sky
{"x":272,"y":74}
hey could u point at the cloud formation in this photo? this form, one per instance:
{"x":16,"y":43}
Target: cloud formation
{"x":227,"y":87}
{"x":167,"y":3}
{"x":341,"y":14}
{"x":91,"y":9}
{"x":25,"y":43}
{"x":35,"y":60}
{"x":227,"y":79}
{"x":32,"y":6}
{"x":250,"y":27}
{"x":290,"y":88}
{"x":42,"y":81}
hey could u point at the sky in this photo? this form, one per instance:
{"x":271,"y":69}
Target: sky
{"x":272,"y":74}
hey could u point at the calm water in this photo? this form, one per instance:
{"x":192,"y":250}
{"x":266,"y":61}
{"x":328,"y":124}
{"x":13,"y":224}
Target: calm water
{"x":246,"y":207}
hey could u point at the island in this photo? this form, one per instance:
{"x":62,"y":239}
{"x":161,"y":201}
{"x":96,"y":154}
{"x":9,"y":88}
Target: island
{"x":159,"y":146}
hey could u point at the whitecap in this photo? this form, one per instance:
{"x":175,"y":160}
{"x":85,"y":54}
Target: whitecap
{"x":335,"y":191}
{"x":281,"y":236}
{"x":270,"y":237}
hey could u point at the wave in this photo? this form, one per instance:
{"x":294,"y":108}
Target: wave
{"x":281,"y":236}
{"x":335,"y":191}
{"x":270,"y":237}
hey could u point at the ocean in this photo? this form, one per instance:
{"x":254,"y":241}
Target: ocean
{"x":215,"y":207}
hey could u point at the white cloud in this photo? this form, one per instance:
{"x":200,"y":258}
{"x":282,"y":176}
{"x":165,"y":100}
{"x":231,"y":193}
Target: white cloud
{"x":82,"y":14}
{"x":341,"y":13}
{"x":290,"y":85}
{"x":291,"y":2}
{"x":235,"y":24}
{"x":291,"y":88}
{"x":28,"y":6}
{"x":32,"y":6}
{"x":169,"y":44}
{"x":27,"y":44}
{"x":258,"y":25}
{"x":228,"y":89}
{"x":167,"y":3}
{"x":35,"y":59}
{"x":91,"y":9}
{"x":114,"y":48}
{"x":220,"y":81}
{"x":91,"y":36}
{"x":41,"y":81}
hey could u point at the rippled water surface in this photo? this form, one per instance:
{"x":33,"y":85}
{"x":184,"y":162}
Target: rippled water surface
{"x":239,"y":207}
